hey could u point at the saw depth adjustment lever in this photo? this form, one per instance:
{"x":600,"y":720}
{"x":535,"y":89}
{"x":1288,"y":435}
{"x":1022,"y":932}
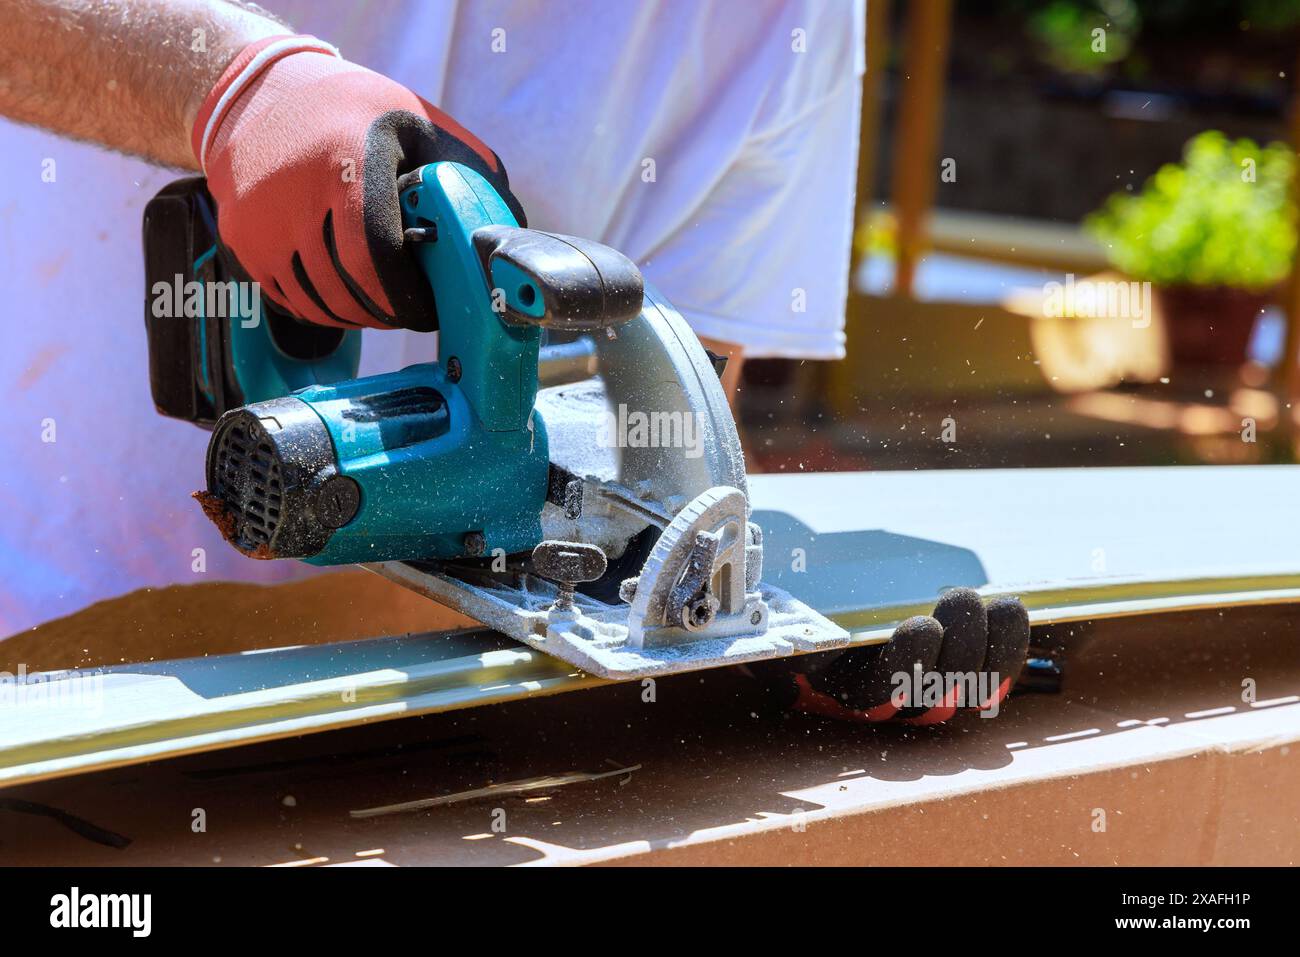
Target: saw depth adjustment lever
{"x":568,"y":564}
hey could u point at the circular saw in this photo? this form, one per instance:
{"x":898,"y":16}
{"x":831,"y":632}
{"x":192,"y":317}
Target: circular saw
{"x":586,"y":497}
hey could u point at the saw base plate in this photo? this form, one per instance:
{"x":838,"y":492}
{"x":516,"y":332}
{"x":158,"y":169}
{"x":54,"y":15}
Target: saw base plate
{"x":594,"y":636}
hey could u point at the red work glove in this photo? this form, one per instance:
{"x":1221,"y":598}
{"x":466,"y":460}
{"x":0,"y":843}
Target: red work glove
{"x":303,"y":151}
{"x":962,"y":637}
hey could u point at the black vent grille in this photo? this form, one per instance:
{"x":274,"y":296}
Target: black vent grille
{"x":248,"y":480}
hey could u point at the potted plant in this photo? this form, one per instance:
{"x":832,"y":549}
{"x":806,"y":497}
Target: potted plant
{"x":1215,"y":235}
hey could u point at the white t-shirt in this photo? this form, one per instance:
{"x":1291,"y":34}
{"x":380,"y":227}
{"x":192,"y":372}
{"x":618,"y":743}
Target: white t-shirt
{"x":715,"y":143}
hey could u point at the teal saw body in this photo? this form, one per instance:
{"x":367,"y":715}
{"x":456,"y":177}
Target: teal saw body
{"x":437,"y":460}
{"x":417,"y":473}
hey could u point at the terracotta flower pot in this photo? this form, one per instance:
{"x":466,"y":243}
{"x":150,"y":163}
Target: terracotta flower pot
{"x":1210,"y":325}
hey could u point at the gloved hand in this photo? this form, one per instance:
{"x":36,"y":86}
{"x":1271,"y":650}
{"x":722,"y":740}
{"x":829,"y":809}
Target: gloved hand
{"x":962,"y":637}
{"x":303,"y":151}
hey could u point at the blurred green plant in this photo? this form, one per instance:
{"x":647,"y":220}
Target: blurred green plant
{"x":1222,"y":217}
{"x":1169,"y":17}
{"x":1086,"y":36}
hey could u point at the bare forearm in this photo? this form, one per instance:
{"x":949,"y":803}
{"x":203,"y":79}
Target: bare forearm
{"x":128,"y":74}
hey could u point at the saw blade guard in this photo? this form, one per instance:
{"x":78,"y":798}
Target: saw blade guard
{"x":656,"y":366}
{"x":648,"y":435}
{"x":655,"y":445}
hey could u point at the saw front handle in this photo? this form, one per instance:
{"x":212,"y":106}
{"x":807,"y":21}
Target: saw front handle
{"x":559,"y":282}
